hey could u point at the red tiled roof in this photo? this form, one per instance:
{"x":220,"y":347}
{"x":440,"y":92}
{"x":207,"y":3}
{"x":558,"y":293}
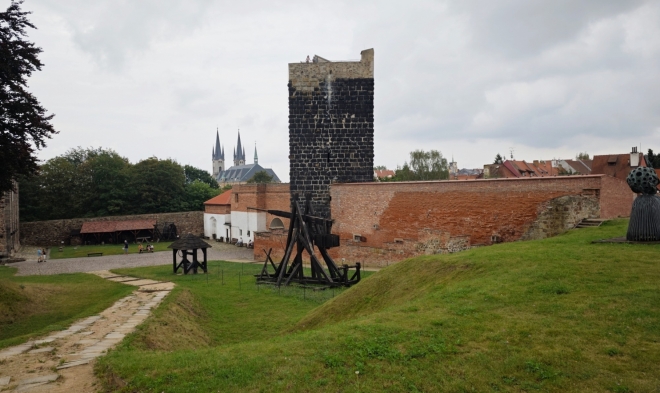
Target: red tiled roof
{"x":382,"y":173}
{"x":116,"y":226}
{"x":135,"y":225}
{"x":579,"y":167}
{"x":615,"y":165}
{"x":222,"y":199}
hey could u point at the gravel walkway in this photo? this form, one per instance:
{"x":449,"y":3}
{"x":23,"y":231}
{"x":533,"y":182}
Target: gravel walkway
{"x":30,"y":267}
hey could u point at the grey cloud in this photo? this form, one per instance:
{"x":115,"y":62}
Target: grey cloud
{"x":111,"y":32}
{"x":524,"y":28}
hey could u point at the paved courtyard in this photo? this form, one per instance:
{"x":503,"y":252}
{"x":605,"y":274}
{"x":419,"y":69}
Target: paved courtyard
{"x":30,"y":267}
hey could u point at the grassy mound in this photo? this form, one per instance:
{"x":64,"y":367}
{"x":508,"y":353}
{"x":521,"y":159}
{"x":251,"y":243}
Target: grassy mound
{"x":558,"y":315}
{"x":34,"y":305}
{"x":173,"y":324}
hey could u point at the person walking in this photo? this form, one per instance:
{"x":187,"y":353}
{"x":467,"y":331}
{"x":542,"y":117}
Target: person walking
{"x":39,"y":255}
{"x":43,"y":255}
{"x":125,"y":246}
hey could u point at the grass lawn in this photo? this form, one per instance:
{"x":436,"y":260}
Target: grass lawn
{"x":106,"y":249}
{"x":34,"y":305}
{"x":557,"y":315}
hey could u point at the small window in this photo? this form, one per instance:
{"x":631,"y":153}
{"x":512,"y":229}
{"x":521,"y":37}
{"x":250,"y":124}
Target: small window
{"x":248,"y":233}
{"x":276,"y":224}
{"x":240,"y":232}
{"x":236,"y":198}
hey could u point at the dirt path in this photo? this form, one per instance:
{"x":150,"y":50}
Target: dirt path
{"x":63,"y":361}
{"x":219,"y":252}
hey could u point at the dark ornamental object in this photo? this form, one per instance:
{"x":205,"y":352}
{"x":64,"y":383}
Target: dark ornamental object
{"x":188,"y":246}
{"x":644,"y":223}
{"x":306,"y":231}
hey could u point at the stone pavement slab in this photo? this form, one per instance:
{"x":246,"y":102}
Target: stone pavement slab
{"x":41,"y":350}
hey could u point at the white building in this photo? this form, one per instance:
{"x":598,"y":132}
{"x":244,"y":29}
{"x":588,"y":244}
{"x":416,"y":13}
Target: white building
{"x":217,"y":217}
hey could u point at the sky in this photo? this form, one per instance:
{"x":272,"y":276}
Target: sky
{"x":541,"y":79}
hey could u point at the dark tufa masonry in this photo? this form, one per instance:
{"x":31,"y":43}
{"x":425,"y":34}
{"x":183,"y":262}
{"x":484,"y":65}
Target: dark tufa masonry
{"x":331,"y":126}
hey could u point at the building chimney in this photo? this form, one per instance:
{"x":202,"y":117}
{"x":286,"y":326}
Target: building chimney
{"x":634,"y":157}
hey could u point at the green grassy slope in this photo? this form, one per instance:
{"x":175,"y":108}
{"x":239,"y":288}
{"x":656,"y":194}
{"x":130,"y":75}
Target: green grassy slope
{"x":34,"y":305}
{"x":558,"y":315}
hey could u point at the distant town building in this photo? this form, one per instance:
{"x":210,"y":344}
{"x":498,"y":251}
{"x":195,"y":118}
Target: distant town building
{"x":230,"y":216}
{"x":240,"y":172}
{"x":380,"y":174}
{"x":518,"y":169}
{"x":217,"y":217}
{"x":574,"y":167}
{"x":618,"y":165}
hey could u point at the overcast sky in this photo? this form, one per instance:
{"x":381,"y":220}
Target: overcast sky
{"x":469,"y":78}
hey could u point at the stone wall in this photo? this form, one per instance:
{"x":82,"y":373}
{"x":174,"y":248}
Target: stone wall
{"x":52,"y":232}
{"x":9,"y":224}
{"x":331,"y":126}
{"x":382,"y":223}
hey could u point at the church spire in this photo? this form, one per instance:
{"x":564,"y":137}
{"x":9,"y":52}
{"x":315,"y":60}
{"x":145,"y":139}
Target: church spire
{"x":239,"y":153}
{"x":216,"y":155}
{"x":256,"y":158}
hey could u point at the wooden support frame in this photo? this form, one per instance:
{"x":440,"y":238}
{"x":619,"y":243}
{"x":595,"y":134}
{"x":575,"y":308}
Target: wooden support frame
{"x":304,"y":228}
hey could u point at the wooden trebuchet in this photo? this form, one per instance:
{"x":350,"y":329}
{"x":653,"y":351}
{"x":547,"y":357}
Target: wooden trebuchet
{"x":307,"y":231}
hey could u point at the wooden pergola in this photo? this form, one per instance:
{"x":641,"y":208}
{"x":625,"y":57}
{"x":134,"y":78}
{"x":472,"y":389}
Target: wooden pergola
{"x":188,"y":245}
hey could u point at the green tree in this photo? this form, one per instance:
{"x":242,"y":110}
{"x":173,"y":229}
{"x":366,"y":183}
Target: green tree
{"x":197,"y":193}
{"x":654,"y":159}
{"x":423,"y":165}
{"x":380,"y":168}
{"x":58,"y":185}
{"x":498,"y":159}
{"x":193,"y":174}
{"x":261,"y":177}
{"x":429,"y":165}
{"x":24,"y":124}
{"x":404,"y":173}
{"x":104,"y":191}
{"x":582,"y":156}
{"x":157,"y":186}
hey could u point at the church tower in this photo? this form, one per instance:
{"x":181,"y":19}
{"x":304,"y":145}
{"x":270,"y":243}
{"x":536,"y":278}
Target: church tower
{"x":239,"y":152}
{"x":218,"y":156}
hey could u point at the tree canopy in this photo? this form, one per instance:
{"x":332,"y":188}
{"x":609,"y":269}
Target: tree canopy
{"x":498,"y":159}
{"x":99,"y":182}
{"x":261,"y":177}
{"x":654,"y":159}
{"x":423,"y":165}
{"x":583,"y":155}
{"x":24,"y":124}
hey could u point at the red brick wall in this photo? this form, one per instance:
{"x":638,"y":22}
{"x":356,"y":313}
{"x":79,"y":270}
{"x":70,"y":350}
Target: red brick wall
{"x":404,"y":219}
{"x":394,"y":218}
{"x":616,"y":198}
{"x":217,"y":209}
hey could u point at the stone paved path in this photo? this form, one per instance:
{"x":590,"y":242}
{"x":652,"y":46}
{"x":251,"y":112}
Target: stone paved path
{"x":30,"y":267}
{"x":71,"y":352}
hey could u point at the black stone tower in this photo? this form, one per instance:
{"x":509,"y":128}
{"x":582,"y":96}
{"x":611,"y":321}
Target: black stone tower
{"x":331,"y":126}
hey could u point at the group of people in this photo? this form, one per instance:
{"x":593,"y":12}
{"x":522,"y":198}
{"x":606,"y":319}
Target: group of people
{"x":240,"y":243}
{"x":41,"y":255}
{"x":148,"y":248}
